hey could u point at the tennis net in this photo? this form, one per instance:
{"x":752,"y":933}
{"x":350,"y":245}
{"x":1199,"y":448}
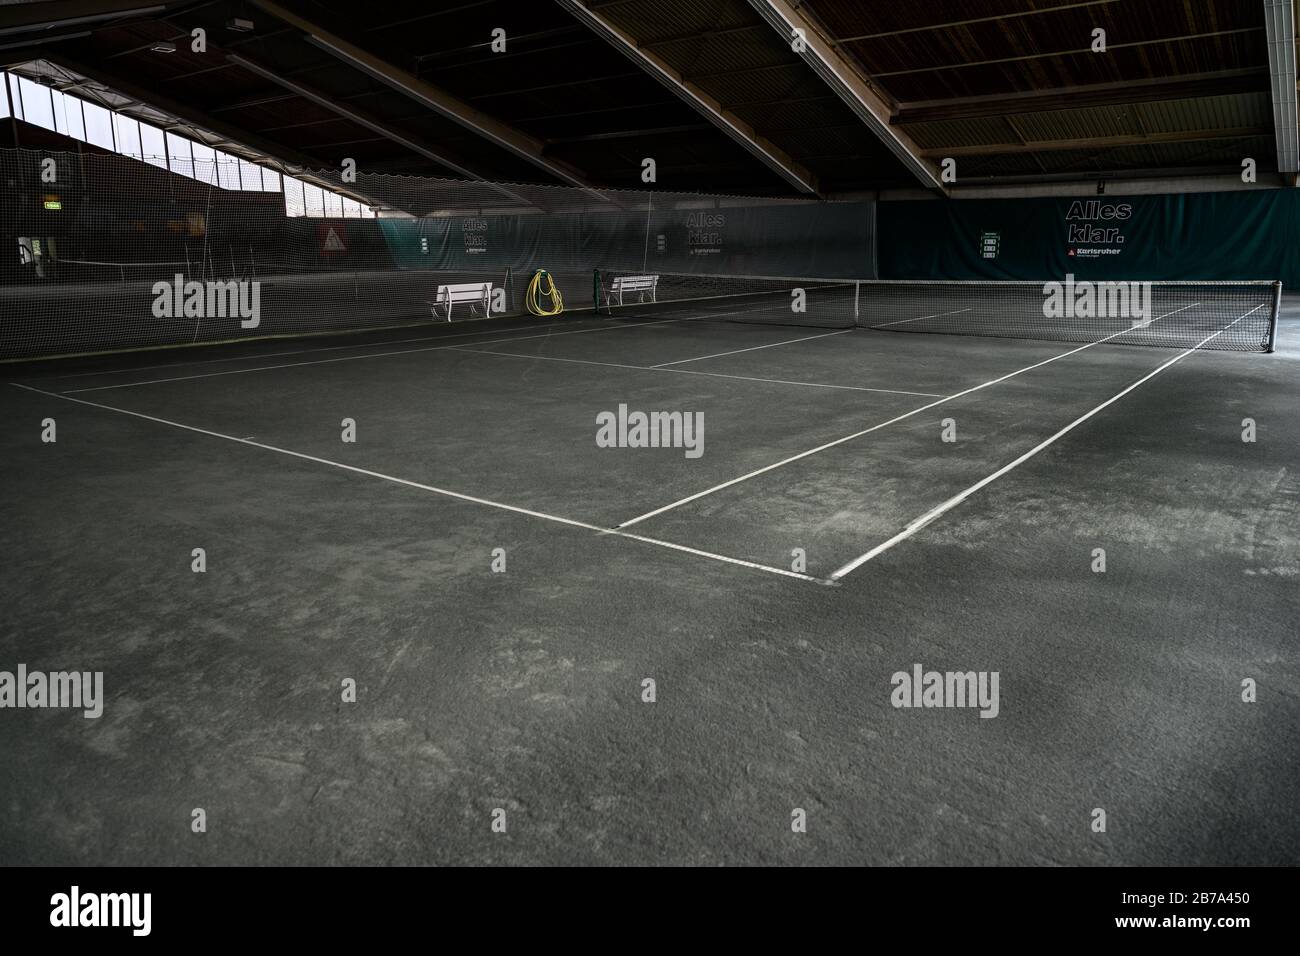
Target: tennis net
{"x":1237,"y":316}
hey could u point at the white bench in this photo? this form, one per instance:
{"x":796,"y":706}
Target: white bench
{"x":475,"y":293}
{"x":638,"y":284}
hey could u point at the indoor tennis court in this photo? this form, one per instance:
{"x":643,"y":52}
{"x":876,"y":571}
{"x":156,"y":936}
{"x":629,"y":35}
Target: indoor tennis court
{"x":502,"y":507}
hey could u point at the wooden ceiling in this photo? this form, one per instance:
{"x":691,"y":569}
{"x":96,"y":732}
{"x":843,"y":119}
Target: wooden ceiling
{"x":1009,"y":88}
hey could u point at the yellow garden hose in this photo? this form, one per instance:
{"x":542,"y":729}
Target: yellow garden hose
{"x":542,"y":285}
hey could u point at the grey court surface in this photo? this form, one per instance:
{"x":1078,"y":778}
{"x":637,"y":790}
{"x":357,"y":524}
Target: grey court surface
{"x":522,"y":690}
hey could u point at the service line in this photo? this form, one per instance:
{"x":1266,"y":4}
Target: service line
{"x":936,"y":512}
{"x":867,"y":431}
{"x":571,"y":522}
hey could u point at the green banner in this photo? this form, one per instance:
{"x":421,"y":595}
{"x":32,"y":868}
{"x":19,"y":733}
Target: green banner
{"x":821,"y":240}
{"x":1228,"y":235}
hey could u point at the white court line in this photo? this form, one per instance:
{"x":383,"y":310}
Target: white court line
{"x":779,"y":381}
{"x":701,"y":317}
{"x":726,"y":559}
{"x":547,"y":358}
{"x":687,"y":371}
{"x":266,"y":355}
{"x":919,"y":318}
{"x":335,"y":348}
{"x":957,"y":499}
{"x":866,"y":431}
{"x":753,"y":348}
{"x":354,"y":358}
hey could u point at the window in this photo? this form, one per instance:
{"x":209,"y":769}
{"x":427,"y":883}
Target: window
{"x":227,"y":171}
{"x":81,"y":119}
{"x":38,"y":109}
{"x":126,"y":133}
{"x":313,"y":199}
{"x":250,"y":176}
{"x":67,"y":116}
{"x":99,"y":125}
{"x":178,"y":152}
{"x":151,"y":141}
{"x":16,"y":95}
{"x":205,"y":163}
{"x":294,"y":203}
{"x":60,"y":119}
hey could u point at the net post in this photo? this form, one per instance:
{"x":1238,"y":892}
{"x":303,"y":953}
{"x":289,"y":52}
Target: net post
{"x":595,"y":291}
{"x":1272,"y":324}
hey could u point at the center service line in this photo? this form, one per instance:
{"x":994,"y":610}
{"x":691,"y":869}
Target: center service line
{"x":866,"y":431}
{"x":688,"y":371}
{"x":957,"y":499}
{"x":752,"y":348}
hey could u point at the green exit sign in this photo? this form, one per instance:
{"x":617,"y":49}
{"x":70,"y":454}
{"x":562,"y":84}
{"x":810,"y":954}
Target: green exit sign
{"x":53,"y":204}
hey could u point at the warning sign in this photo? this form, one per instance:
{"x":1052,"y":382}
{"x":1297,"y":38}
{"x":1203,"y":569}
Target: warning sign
{"x":332,"y":239}
{"x":990,"y":242}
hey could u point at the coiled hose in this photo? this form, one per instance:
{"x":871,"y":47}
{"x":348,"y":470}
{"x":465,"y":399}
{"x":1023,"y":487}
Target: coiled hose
{"x":543,"y":286}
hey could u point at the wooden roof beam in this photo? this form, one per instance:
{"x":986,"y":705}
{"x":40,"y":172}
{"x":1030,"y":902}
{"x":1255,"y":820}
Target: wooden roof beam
{"x":1082,"y":97}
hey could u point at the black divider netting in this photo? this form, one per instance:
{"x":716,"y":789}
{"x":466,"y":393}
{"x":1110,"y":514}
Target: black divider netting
{"x":1238,"y":316}
{"x":818,"y":303}
{"x":112,"y":252}
{"x":115,"y":252}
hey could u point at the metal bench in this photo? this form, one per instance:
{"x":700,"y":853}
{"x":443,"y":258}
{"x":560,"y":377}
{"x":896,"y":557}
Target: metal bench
{"x":474,"y":293}
{"x":638,"y":284}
